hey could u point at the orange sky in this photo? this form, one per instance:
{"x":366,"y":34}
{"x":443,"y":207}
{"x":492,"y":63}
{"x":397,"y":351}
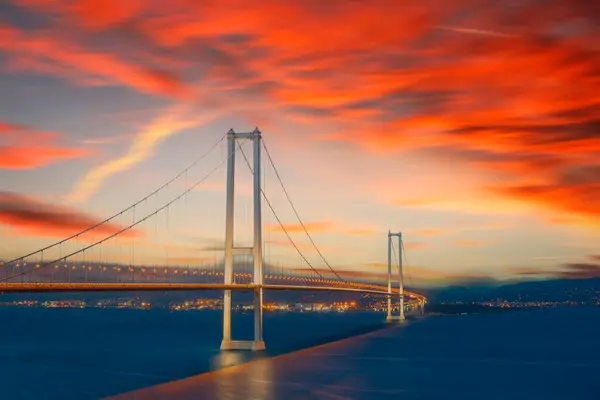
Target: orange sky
{"x":472,"y":126}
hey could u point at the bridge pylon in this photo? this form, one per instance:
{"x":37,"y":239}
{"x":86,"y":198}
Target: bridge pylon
{"x":255,"y":251}
{"x":390,"y":316}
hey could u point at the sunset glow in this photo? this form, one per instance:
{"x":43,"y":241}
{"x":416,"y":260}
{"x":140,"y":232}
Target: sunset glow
{"x":471,"y":126}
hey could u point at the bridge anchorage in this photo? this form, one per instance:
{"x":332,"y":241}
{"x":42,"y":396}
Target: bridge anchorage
{"x":255,"y":251}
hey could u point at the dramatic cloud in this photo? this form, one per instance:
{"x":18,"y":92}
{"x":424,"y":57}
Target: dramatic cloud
{"x":581,"y":270}
{"x":484,"y":106}
{"x":573,"y":190}
{"x":509,"y":89}
{"x":23,"y":148}
{"x":49,"y":54}
{"x":174,"y":120}
{"x":25,"y":216}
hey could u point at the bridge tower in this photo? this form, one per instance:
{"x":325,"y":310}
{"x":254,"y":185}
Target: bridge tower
{"x":391,"y":317}
{"x":255,"y":251}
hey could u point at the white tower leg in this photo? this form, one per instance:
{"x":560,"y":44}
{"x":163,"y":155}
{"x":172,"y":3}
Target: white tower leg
{"x":255,"y":250}
{"x":400,"y":277}
{"x":389,"y":297}
{"x":391,"y":317}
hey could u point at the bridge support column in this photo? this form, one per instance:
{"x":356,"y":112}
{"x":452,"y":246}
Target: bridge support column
{"x":389,"y":297}
{"x":228,"y":267}
{"x":258,"y":344}
{"x":400,"y":277}
{"x":255,"y":250}
{"x":390,"y":316}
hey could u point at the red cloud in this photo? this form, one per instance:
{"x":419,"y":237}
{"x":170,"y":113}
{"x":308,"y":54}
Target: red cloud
{"x":567,"y":271}
{"x":511,"y":91}
{"x":26,"y":149}
{"x":26,"y":216}
{"x":571,"y":191}
{"x":33,"y":157}
{"x":72,"y":62}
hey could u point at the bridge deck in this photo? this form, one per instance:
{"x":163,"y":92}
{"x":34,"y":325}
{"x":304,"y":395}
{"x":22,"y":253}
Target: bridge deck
{"x":115,"y":287}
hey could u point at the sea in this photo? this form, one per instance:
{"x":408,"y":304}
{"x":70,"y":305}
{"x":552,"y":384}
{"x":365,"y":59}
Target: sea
{"x":92,"y":353}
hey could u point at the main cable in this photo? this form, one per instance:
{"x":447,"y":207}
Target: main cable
{"x":120,"y":212}
{"x":406,"y":263}
{"x":41,"y":266}
{"x":287,"y":195}
{"x":278,"y":219}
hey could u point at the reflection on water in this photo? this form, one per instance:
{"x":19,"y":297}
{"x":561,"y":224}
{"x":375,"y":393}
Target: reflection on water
{"x":255,"y":383}
{"x":227,"y":359}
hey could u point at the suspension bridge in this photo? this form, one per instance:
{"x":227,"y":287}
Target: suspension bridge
{"x":53,"y":268}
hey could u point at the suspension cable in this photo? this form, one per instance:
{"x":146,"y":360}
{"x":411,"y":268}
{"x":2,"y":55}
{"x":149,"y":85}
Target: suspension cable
{"x":406,"y":263}
{"x":122,"y":211}
{"x":277,"y":217}
{"x":165,"y":206}
{"x":287,"y":195}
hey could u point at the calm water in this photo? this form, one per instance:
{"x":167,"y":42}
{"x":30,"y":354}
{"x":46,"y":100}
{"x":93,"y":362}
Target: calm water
{"x":90,"y":353}
{"x":81,"y":354}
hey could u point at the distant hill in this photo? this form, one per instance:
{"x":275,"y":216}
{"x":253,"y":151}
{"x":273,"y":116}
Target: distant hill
{"x":548,"y":290}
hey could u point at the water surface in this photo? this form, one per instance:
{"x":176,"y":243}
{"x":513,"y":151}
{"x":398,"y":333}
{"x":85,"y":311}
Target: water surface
{"x":88,"y":353}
